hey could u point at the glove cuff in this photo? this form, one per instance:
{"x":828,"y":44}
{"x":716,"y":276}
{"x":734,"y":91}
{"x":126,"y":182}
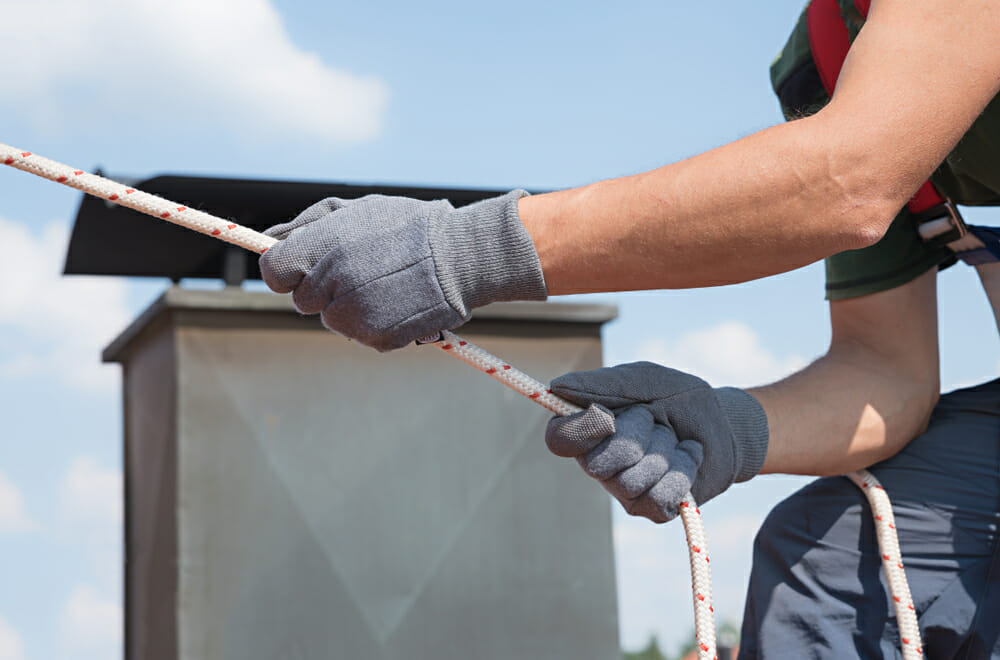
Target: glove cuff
{"x":748,"y":422}
{"x":483,"y":254}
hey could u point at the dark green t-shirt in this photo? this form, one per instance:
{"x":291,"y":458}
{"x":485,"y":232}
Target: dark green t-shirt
{"x":969,"y":175}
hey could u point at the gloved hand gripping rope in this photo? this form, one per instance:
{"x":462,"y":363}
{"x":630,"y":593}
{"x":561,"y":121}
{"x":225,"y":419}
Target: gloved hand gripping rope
{"x":518,"y":381}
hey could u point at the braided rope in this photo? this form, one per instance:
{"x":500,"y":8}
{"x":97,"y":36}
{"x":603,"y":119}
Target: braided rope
{"x":157,"y":207}
{"x":892,"y":563}
{"x":513,"y":378}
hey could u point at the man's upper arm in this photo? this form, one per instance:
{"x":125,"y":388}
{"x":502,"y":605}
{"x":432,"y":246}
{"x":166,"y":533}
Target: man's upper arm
{"x":915,"y":79}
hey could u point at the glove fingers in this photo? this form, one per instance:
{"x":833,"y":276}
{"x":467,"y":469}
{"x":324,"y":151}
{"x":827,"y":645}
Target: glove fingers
{"x":688,"y":456}
{"x":623,"y":449}
{"x":636,"y":480}
{"x":310,"y":215}
{"x":648,"y":507}
{"x":333,"y":259}
{"x":660,"y":502}
{"x":667,"y":494}
{"x":325,"y":279}
{"x":710,"y":480}
{"x":303,"y":243}
{"x":276,"y":271}
{"x":639,"y":478}
{"x":577,"y":434}
{"x":285,"y":265}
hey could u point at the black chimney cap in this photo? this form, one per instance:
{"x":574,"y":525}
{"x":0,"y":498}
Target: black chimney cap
{"x":109,"y":239}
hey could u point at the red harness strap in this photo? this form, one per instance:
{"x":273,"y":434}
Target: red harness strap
{"x":829,"y":42}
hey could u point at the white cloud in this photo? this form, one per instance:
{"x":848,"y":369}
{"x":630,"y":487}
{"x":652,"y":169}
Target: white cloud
{"x":91,"y":495}
{"x":56,"y":325}
{"x":11,"y":646}
{"x":654,"y":578}
{"x":13,"y":517}
{"x":90,"y":626}
{"x":218,"y":63}
{"x":729,"y":353}
{"x":90,"y":498}
{"x":90,"y":517}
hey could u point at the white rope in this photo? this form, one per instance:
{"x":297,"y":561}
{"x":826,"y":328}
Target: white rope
{"x":515,"y":379}
{"x":892,"y":563}
{"x":157,"y":207}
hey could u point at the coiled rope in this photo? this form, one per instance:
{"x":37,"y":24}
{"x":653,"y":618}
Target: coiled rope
{"x":513,"y":378}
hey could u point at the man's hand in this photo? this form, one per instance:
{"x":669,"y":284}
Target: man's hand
{"x":387,"y":271}
{"x":651,"y":434}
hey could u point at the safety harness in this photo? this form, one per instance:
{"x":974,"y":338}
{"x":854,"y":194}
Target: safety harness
{"x":936,"y":217}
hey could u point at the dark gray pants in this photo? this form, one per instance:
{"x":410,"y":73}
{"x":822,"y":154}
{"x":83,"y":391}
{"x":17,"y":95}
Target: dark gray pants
{"x":817,"y":588}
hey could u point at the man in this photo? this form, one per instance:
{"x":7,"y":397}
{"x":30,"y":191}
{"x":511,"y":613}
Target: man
{"x":388,"y":271}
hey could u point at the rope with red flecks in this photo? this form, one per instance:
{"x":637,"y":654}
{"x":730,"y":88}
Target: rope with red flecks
{"x":513,"y":378}
{"x":157,"y":207}
{"x":892,"y":563}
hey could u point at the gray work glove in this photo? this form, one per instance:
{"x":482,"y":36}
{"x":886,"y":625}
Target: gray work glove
{"x":651,"y":434}
{"x":390,"y":270}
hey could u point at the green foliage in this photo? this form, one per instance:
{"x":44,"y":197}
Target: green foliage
{"x":728,"y":634}
{"x":651,"y":652}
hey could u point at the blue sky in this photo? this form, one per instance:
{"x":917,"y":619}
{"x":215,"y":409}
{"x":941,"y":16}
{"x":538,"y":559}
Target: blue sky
{"x":439,"y":93}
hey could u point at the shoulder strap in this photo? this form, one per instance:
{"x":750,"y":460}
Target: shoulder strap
{"x":829,"y":42}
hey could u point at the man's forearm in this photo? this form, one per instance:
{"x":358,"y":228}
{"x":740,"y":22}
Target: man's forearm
{"x":794,"y":193}
{"x":768,"y":203}
{"x":869,"y":395}
{"x":841,"y":413}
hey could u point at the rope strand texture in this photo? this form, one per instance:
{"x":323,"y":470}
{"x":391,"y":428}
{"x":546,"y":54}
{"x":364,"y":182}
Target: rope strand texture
{"x":513,"y":378}
{"x":98,"y":186}
{"x":892,"y":563}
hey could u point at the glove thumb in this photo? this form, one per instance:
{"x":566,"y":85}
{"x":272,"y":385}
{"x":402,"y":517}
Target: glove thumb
{"x":577,"y":434}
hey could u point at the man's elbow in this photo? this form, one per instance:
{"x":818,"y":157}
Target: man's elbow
{"x":867,"y":210}
{"x":869,"y":230}
{"x":849,"y":223}
{"x":916,"y":394}
{"x":926,"y":402}
{"x":861,"y":190}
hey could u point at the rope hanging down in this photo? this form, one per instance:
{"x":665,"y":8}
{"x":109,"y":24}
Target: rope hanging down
{"x":513,"y":378}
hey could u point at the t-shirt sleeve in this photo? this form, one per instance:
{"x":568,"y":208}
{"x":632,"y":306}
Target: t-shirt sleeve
{"x":901,"y":256}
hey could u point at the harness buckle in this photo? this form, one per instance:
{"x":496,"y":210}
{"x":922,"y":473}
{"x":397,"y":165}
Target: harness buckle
{"x":941,"y":224}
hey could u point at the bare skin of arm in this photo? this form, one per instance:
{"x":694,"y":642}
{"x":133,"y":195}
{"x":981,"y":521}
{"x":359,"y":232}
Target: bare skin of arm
{"x":869,"y":395}
{"x":794,"y":193}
